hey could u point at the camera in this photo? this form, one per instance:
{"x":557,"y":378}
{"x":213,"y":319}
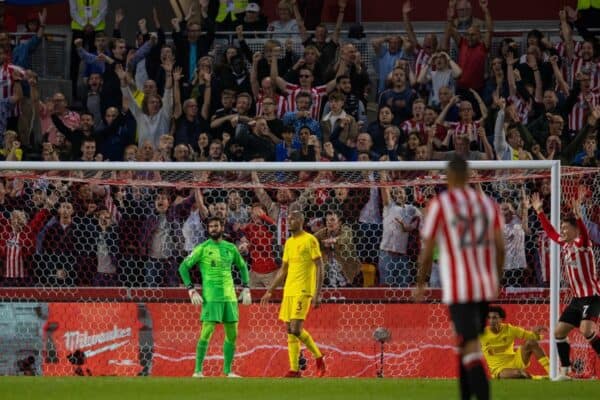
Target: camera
{"x":26,"y":366}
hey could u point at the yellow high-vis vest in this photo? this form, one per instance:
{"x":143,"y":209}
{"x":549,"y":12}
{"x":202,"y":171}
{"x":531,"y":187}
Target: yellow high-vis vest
{"x":224,"y":9}
{"x":585,"y":4}
{"x":88,"y":10}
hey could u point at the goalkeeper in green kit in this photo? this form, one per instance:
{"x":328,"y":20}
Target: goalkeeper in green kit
{"x":219,"y":304}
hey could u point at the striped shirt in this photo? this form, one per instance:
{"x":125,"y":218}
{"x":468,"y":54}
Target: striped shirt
{"x":14,"y":266}
{"x":411,"y":125}
{"x":579,"y":64}
{"x":317,"y":94}
{"x":561,"y":51}
{"x":280,"y":102}
{"x":522,"y":108}
{"x":458,"y":129}
{"x":581,"y":110}
{"x":463,"y":222}
{"x":577,"y":258}
{"x":421,"y":61}
{"x":15,"y":248}
{"x":7,"y":84}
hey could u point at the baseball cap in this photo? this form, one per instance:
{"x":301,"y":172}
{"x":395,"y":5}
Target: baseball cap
{"x":253,"y":7}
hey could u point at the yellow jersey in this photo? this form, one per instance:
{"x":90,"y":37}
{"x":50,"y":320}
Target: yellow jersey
{"x":300,"y":253}
{"x":499,"y":348}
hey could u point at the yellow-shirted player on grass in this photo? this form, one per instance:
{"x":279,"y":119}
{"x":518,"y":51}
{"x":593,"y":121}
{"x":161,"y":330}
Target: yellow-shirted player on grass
{"x":302,"y":269}
{"x":498,"y":346}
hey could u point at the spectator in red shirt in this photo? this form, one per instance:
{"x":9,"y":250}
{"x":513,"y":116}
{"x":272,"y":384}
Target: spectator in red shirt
{"x":472,"y":50}
{"x":260,"y":237}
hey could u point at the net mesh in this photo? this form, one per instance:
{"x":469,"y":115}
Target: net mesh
{"x":90,"y":283}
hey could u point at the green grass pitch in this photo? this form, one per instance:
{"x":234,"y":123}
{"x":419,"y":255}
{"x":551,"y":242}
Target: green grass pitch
{"x":111,"y":388}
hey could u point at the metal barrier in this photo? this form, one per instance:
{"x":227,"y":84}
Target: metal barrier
{"x":364,"y":47}
{"x":51,"y":60}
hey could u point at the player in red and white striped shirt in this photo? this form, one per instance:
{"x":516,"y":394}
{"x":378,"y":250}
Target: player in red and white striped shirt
{"x":467,"y":227}
{"x":306,"y":78}
{"x":580,"y":265}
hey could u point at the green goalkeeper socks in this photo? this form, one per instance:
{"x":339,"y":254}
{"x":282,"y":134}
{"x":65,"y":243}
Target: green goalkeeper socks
{"x":207,"y":330}
{"x":228,"y":353}
{"x":229,"y":345}
{"x":201,"y":348}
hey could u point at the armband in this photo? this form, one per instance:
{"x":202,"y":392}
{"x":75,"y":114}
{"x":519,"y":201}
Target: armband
{"x":190,"y":286}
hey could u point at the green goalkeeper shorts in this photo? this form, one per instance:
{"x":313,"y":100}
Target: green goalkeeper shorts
{"x":220,"y":311}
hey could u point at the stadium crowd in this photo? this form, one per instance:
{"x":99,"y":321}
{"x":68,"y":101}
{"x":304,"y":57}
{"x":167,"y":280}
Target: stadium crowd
{"x":173,"y":97}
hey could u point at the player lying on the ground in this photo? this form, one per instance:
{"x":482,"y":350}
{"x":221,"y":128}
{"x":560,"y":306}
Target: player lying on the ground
{"x":498,"y":345}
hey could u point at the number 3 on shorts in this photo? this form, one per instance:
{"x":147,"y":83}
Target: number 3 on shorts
{"x":585,"y":310}
{"x":299,"y":307}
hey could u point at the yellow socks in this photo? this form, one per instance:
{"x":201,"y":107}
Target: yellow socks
{"x":293,"y":352}
{"x":309,"y":343}
{"x":544,"y":362}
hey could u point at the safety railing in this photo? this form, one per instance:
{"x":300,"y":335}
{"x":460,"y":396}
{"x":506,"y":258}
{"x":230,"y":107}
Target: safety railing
{"x":51,"y":58}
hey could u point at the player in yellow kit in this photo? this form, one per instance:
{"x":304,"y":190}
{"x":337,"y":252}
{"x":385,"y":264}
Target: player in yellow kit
{"x":302,"y":269}
{"x":498,"y":346}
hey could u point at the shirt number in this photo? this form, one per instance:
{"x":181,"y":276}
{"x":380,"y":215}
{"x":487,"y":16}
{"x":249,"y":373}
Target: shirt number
{"x":478,"y":223}
{"x":585,"y":311}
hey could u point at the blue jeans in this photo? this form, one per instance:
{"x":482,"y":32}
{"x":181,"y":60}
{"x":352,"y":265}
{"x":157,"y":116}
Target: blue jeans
{"x":395,"y":269}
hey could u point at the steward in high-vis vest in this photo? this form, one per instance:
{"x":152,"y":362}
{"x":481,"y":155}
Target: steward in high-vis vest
{"x":587,"y":4}
{"x":87,"y":18}
{"x":589,"y":14}
{"x":230,"y":14}
{"x":88,"y":13}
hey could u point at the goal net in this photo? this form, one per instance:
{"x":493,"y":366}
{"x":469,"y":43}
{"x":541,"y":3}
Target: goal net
{"x":89,"y":258}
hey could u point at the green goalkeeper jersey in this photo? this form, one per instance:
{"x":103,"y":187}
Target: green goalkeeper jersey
{"x":215,"y":260}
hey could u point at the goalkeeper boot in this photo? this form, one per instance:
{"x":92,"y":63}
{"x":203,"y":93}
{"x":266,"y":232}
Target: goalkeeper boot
{"x":321,"y":369}
{"x":232,"y":375}
{"x":198,"y":375}
{"x":293,"y":374}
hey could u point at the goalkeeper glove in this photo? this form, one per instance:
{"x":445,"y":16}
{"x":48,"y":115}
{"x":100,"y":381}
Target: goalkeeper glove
{"x":195,"y":297}
{"x":245,"y":297}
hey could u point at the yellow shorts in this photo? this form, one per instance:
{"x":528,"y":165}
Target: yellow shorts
{"x":294,"y":307}
{"x":515,"y":363}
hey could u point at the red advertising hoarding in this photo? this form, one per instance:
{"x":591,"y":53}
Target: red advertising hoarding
{"x":422,"y":341}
